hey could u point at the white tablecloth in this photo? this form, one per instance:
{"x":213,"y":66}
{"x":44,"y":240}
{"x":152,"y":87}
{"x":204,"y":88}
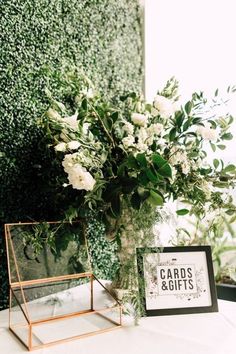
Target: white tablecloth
{"x":211,"y":333}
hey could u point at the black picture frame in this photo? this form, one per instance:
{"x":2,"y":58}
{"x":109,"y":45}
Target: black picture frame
{"x":184,"y":307}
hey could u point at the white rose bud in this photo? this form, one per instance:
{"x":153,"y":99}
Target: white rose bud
{"x":72,"y":121}
{"x":60,"y":147}
{"x":73,"y":145}
{"x":165,"y":106}
{"x":139,"y":119}
{"x":53,"y":114}
{"x":88,"y":93}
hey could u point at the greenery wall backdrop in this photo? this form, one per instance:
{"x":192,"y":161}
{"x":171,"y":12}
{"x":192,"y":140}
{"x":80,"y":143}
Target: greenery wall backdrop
{"x":38,"y":38}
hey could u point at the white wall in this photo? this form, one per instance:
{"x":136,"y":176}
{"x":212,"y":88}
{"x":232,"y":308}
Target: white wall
{"x":195,"y":41}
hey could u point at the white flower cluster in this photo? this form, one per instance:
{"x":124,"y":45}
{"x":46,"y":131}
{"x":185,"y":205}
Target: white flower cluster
{"x":139,"y":135}
{"x":78,"y":176}
{"x":178,"y":156}
{"x":71,"y":145}
{"x":164,"y":106}
{"x":207,"y":132}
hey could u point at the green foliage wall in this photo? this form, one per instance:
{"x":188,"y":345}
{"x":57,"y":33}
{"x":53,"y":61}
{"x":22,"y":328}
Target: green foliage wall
{"x":38,"y":38}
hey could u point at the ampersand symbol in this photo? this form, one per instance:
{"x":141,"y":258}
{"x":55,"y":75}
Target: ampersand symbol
{"x":163,"y":286}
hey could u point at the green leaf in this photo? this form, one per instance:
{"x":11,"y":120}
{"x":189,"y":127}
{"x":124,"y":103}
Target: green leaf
{"x":182,"y":211}
{"x":143,"y":179}
{"x":163,"y":168}
{"x":213,"y":147}
{"x":151,"y":176}
{"x":230,"y":212}
{"x":216,"y":163}
{"x":158,"y":160}
{"x":186,"y":125}
{"x":172,"y":134}
{"x":141,"y":158}
{"x":188,"y":107}
{"x":135,"y":201}
{"x":196,"y":120}
{"x":155,"y":198}
{"x":122,"y":169}
{"x":220,"y":184}
{"x":114,"y":116}
{"x":85,"y":104}
{"x":213,"y":123}
{"x":116,"y":205}
{"x":128,"y":184}
{"x":165,"y":171}
{"x":229,"y":168}
{"x":179,"y":119}
{"x":221,"y":147}
{"x":132,"y":163}
{"x":227,"y":136}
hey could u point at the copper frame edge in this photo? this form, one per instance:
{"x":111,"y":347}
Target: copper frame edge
{"x":75,"y":337}
{"x":20,"y":285}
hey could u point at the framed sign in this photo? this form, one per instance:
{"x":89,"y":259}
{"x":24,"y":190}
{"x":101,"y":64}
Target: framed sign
{"x":176,"y":280}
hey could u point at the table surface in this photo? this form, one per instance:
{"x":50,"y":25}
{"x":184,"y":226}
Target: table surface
{"x":211,"y":333}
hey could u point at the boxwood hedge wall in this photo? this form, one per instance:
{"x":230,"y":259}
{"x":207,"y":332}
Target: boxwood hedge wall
{"x":38,"y":38}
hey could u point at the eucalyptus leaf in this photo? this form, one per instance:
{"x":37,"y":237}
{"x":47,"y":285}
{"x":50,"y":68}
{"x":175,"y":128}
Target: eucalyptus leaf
{"x":188,"y":107}
{"x":155,"y":198}
{"x":216,"y":163}
{"x":182,"y":212}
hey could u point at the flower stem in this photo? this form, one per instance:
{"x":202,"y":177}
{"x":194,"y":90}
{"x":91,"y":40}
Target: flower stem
{"x":103,"y":125}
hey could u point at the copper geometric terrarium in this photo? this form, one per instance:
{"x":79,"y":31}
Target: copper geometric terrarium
{"x":54,"y":295}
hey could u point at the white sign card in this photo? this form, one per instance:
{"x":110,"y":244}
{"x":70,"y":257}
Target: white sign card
{"x":177,"y":280}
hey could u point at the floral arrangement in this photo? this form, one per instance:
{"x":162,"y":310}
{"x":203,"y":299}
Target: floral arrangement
{"x":124,"y":158}
{"x":139,"y":152}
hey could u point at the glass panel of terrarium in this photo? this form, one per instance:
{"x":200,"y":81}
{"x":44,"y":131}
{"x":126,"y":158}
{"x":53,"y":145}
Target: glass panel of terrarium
{"x":45,"y":250}
{"x":18,"y":322}
{"x":58,"y":298}
{"x":12,"y":263}
{"x":18,"y":299}
{"x":102,"y":297}
{"x":71,"y":327}
{"x":111,"y":314}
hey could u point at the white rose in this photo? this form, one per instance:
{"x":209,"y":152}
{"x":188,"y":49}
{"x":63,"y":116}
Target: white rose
{"x":72,"y":121}
{"x":139,"y":119}
{"x":89,"y":93}
{"x":69,"y":161}
{"x":53,"y":114}
{"x":142,"y":147}
{"x":185,"y":167}
{"x":154,"y":112}
{"x":128,"y":128}
{"x":142,"y":135}
{"x":128,"y":141}
{"x":165,"y":106}
{"x":73,"y":145}
{"x":206,"y":188}
{"x":156,"y":128}
{"x":80,"y":178}
{"x":85,"y":128}
{"x":178,"y":156}
{"x":207,"y":132}
{"x":60,"y":147}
